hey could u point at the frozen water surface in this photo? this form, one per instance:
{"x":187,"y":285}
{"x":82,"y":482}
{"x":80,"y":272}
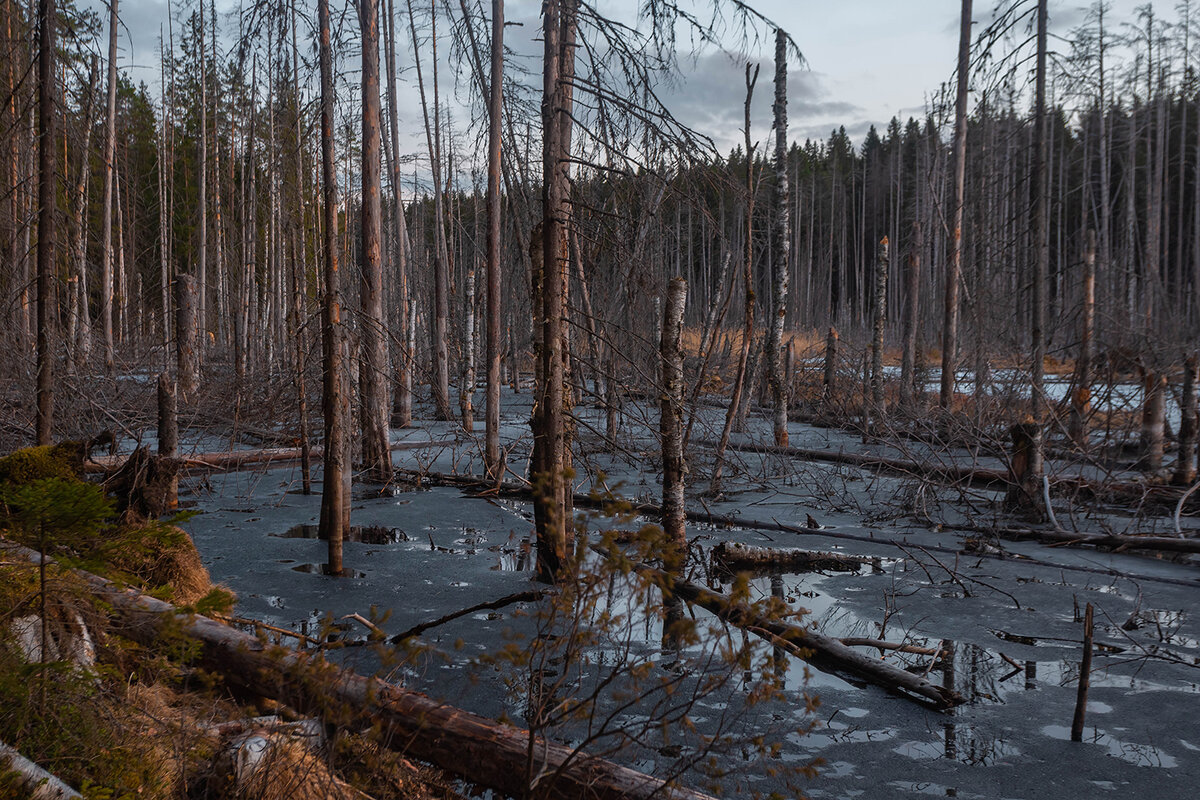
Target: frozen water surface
{"x":1012,"y":624}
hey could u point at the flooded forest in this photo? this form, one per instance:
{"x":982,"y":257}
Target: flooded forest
{"x":432,"y":399}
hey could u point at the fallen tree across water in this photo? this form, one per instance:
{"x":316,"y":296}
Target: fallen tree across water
{"x":823,"y":652}
{"x":738,"y":556}
{"x":479,"y":750}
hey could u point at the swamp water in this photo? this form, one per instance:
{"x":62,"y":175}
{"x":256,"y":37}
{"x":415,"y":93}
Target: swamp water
{"x":1012,"y":627}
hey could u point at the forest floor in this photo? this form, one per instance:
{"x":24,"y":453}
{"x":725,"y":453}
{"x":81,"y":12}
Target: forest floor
{"x":1009,"y":611}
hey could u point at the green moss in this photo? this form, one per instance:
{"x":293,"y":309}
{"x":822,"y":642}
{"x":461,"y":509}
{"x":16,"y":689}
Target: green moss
{"x":38,"y":463}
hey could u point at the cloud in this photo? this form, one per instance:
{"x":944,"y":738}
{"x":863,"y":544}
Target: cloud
{"x":710,"y":96}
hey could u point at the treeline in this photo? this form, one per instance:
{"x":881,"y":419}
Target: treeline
{"x":216,"y":176}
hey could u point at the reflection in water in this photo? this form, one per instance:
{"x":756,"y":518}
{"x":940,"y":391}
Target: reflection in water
{"x":1143,"y":755}
{"x":367,"y":534}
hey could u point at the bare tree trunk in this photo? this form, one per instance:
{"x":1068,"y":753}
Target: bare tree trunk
{"x":552,"y":518}
{"x":1153,"y":423}
{"x":79,"y":335}
{"x":1041,"y":242}
{"x":880,"y":319}
{"x":377,"y":455}
{"x":168,"y":430}
{"x":1081,"y":397}
{"x":202,"y":243}
{"x":47,"y":236}
{"x":299,"y":338}
{"x":493,"y":457}
{"x":954,"y":266}
{"x":912,"y":288}
{"x":829,"y":382}
{"x":439,"y":351}
{"x":1185,"y":462}
{"x":466,"y":394}
{"x":335,"y":500}
{"x":739,"y":379}
{"x":671,"y":419}
{"x":781,"y":247}
{"x":110,"y":144}
{"x":402,"y":400}
{"x":186,"y":356}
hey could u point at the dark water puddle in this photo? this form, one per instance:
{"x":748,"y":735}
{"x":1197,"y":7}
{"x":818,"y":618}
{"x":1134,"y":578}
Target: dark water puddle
{"x":369,"y":534}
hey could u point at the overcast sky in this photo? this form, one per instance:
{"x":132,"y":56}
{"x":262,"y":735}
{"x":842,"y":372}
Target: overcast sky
{"x":867,"y":60}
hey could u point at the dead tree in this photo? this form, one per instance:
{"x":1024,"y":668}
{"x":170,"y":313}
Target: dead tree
{"x":954,"y":266}
{"x":1153,"y":420}
{"x":1041,"y":243}
{"x":335,"y":494}
{"x":202,"y":181}
{"x":47,"y":236}
{"x":1081,"y":396}
{"x":551,"y":507}
{"x":110,"y":152}
{"x":1185,"y":462}
{"x":377,"y":457}
{"x":402,"y":400}
{"x":671,"y":419}
{"x":739,"y":380}
{"x":781,"y":247}
{"x":493,"y":456}
{"x":186,"y":356}
{"x":880,"y":319}
{"x":912,"y":299}
{"x":168,"y":432}
{"x":829,"y":381}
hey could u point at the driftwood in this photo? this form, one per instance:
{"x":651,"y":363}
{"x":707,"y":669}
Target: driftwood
{"x":737,"y":556}
{"x":482,"y":751}
{"x":823,"y":652}
{"x":37,"y":783}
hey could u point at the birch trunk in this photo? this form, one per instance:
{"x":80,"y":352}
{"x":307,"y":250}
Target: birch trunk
{"x":781,"y":247}
{"x":671,"y":421}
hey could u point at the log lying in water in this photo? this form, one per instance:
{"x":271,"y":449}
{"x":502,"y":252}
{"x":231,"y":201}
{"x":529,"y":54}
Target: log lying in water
{"x":737,"y":556}
{"x":479,"y":750}
{"x":823,"y":652}
{"x":39,"y":784}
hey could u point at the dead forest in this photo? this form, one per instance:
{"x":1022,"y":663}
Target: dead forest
{"x":398,"y":399}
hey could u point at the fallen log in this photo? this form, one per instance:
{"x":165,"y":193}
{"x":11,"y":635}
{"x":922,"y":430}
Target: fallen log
{"x":737,"y":556}
{"x":823,"y":652}
{"x":517,"y":491}
{"x":1112,"y":540}
{"x":981,"y":477}
{"x":37,"y":782}
{"x":479,"y":750}
{"x":1144,"y":493}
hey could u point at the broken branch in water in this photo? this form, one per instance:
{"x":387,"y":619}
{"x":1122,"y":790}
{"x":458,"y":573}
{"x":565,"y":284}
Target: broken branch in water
{"x":529,"y":596}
